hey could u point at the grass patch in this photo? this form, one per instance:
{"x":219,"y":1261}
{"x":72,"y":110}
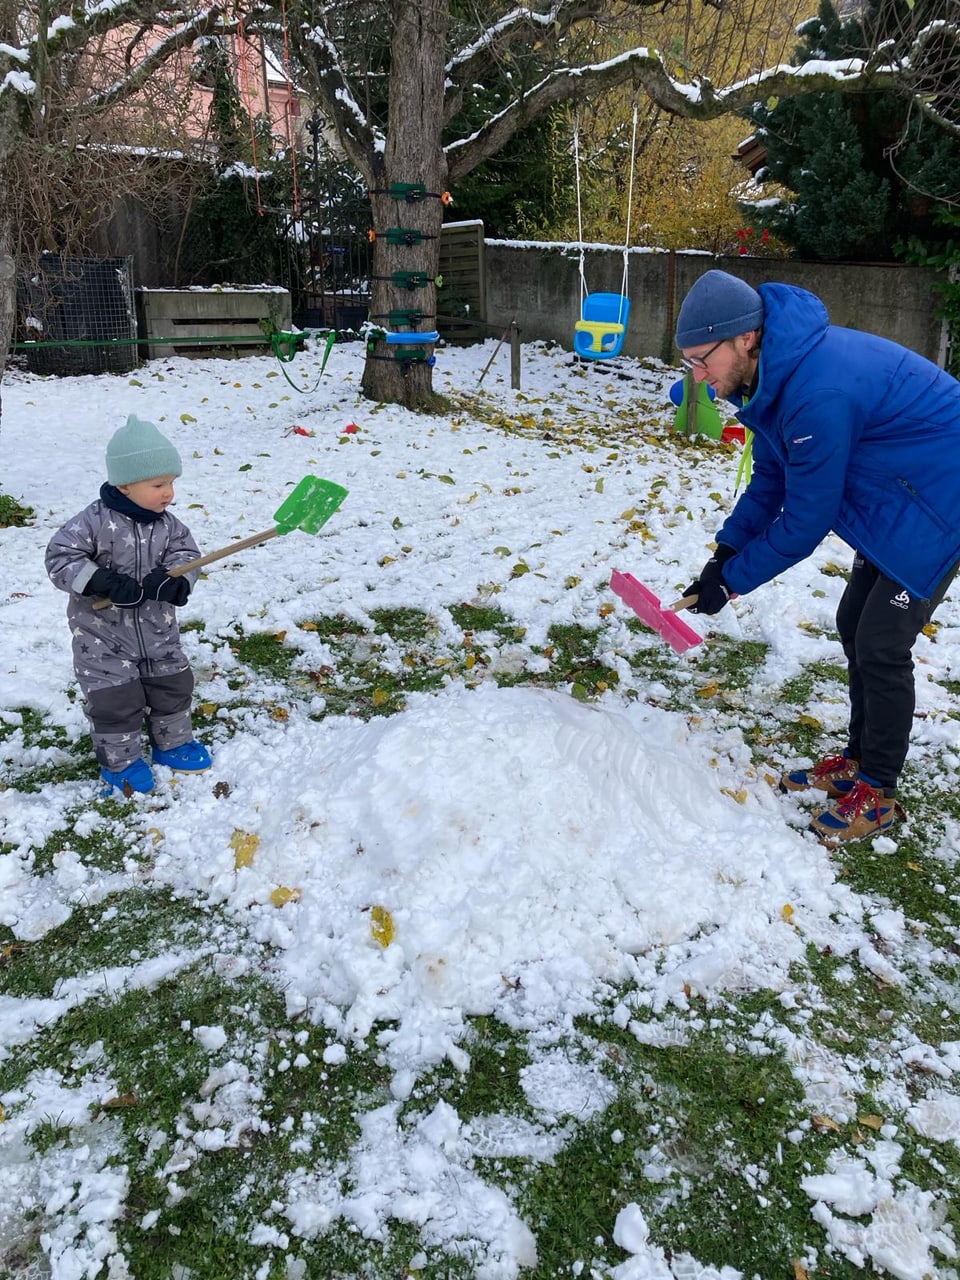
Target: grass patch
{"x":219,"y":1102}
{"x":14,"y":514}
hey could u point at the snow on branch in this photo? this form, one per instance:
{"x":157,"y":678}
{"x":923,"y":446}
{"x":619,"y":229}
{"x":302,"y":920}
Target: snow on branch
{"x":699,"y":100}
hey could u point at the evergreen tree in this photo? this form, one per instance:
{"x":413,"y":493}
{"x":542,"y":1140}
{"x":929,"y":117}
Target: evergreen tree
{"x":865,"y":170}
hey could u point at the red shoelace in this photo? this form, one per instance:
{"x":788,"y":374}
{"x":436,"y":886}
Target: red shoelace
{"x":830,"y":764}
{"x":860,"y":796}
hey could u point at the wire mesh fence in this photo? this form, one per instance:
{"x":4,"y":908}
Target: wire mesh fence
{"x":77,"y":315}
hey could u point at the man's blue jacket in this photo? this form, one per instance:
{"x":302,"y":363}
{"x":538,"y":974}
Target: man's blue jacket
{"x":854,"y":434}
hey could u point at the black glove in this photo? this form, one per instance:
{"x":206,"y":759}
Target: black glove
{"x":119,"y":588}
{"x":159,"y":584}
{"x":710,"y":589}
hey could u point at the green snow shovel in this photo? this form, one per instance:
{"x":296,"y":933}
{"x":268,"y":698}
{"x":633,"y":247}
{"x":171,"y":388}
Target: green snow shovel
{"x":308,"y":507}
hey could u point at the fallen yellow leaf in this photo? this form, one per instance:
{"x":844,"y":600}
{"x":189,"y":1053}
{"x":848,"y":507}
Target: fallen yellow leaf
{"x":244,"y":845}
{"x":740,"y":796}
{"x":282,"y":895}
{"x":381,"y":926}
{"x":120,"y":1101}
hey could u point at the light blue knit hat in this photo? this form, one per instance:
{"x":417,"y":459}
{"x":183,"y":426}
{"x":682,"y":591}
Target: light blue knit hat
{"x":139,"y":451}
{"x":718,"y":306}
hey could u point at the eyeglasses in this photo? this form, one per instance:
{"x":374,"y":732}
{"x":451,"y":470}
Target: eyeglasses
{"x":700,"y":362}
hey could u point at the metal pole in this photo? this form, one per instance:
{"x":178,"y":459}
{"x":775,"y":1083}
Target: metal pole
{"x":514,"y":356}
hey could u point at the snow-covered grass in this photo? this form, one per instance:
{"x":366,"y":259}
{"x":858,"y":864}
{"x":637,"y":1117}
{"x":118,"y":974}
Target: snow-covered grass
{"x":487,"y":947}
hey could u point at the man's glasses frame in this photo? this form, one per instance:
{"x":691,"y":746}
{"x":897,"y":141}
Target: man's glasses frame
{"x":700,"y":362}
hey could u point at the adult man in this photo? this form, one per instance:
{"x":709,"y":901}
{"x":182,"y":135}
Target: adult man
{"x":854,"y":434}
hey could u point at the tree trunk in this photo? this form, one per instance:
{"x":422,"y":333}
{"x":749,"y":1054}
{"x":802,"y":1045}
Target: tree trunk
{"x":407,"y":198}
{"x":8,"y":280}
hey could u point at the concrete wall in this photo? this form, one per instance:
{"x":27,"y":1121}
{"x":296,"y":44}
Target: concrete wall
{"x":539,"y":287}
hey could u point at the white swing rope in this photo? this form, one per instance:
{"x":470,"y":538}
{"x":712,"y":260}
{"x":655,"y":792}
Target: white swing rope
{"x":576,"y":169}
{"x":626,"y":243}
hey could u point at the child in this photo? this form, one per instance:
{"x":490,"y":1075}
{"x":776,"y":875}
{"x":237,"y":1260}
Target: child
{"x":127,"y":657}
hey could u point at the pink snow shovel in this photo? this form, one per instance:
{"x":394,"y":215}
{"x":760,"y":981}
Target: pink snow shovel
{"x":651,"y":612}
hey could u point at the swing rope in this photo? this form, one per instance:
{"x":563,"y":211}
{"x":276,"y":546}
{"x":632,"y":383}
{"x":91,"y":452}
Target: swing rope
{"x":626,"y":241}
{"x":584,"y":291}
{"x":289,"y":128}
{"x":241,"y":53}
{"x":576,"y":168}
{"x":284,"y":347}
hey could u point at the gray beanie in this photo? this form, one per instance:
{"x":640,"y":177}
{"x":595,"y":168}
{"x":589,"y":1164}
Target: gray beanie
{"x":718,"y":306}
{"x":138,"y":451}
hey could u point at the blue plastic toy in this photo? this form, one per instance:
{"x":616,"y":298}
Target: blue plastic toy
{"x":599,"y":332}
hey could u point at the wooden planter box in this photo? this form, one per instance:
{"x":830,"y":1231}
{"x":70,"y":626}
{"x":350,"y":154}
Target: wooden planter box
{"x":227,"y":320}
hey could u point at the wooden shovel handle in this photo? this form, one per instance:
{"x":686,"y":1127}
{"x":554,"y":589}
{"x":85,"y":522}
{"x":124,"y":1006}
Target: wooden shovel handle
{"x":686,"y":603}
{"x":254,"y":540}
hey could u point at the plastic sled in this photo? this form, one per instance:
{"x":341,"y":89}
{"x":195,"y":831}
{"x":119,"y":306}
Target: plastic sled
{"x":652,"y":614}
{"x":602,"y":326}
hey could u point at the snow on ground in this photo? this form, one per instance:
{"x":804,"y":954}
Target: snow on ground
{"x":528,"y":848}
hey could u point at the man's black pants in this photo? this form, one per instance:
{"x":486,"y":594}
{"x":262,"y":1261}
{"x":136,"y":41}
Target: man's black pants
{"x":879,"y":623}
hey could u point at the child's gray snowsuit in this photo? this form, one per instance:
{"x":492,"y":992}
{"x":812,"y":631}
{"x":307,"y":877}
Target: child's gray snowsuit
{"x":128,"y":662}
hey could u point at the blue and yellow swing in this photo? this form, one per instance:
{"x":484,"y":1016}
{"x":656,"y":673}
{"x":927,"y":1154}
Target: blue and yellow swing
{"x":602,"y":327}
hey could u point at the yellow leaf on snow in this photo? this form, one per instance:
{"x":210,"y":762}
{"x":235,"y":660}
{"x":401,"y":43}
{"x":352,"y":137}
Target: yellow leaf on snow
{"x":244,"y":845}
{"x":824,"y":1123}
{"x":381,"y":926}
{"x":282,"y":895}
{"x":871,"y":1121}
{"x":811,"y":722}
{"x":740,"y":796}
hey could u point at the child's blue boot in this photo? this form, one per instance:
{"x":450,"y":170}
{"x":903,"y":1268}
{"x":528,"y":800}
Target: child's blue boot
{"x":192,"y":757}
{"x":137,"y":777}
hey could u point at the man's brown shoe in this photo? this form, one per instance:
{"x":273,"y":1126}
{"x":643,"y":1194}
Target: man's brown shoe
{"x":863,"y":811}
{"x":833,"y":774}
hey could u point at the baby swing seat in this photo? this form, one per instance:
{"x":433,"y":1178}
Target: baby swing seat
{"x":600,"y":331}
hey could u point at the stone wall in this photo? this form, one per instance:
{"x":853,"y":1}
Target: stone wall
{"x":539,"y":286}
